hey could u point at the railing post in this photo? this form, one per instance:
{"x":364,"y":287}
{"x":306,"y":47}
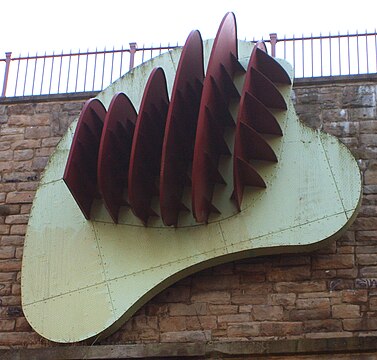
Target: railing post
{"x":7,"y":65}
{"x":273,"y":41}
{"x":133,"y":47}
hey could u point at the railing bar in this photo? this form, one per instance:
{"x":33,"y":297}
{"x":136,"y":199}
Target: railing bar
{"x":27,"y":65}
{"x":60,"y":72}
{"x":330,"y":55}
{"x":340,"y":57}
{"x":69,"y":71}
{"x":18,"y":71}
{"x":95,"y":68}
{"x":321,"y":51}
{"x":375,"y":46}
{"x":35,"y":69}
{"x":112,"y":67}
{"x":77,"y":71}
{"x":303,"y":57}
{"x":312,"y":50}
{"x":294,"y":56}
{"x":349,"y":56}
{"x":121,"y":64}
{"x":86,"y":70}
{"x":103,"y":69}
{"x":357,"y":52}
{"x":43,"y":73}
{"x":285,"y":48}
{"x":366,"y":48}
{"x":142,"y":54}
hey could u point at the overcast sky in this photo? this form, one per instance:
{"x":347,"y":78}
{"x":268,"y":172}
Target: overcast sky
{"x":45,"y":25}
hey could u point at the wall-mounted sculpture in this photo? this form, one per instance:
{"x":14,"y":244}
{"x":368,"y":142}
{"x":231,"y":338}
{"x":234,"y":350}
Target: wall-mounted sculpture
{"x":168,"y":172}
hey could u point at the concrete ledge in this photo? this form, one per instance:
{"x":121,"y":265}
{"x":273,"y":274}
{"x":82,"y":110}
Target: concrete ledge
{"x":48,"y":98}
{"x":218,"y":350}
{"x":331,"y":80}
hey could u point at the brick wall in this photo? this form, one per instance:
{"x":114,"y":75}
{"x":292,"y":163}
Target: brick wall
{"x":326,"y":294}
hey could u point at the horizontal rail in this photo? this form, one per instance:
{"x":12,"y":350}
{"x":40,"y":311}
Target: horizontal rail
{"x":313,"y":56}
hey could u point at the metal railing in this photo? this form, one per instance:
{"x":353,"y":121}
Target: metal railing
{"x":328,"y":55}
{"x":314,"y":56}
{"x":70,"y":72}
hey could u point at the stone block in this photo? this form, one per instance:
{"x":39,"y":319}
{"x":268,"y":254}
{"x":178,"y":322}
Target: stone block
{"x":195,"y":336}
{"x":267,"y":312}
{"x":281,"y":328}
{"x":180,"y":309}
{"x":246,"y":329}
{"x":345,"y":311}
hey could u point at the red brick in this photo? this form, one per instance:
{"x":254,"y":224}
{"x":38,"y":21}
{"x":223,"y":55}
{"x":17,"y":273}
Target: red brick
{"x":282,"y":299}
{"x":201,"y":322}
{"x":281,"y":328}
{"x":304,"y":286}
{"x":360,"y":324}
{"x":7,"y":252}
{"x":267,"y":312}
{"x":295,"y":273}
{"x":20,"y":197}
{"x":7,"y":325}
{"x":22,"y":325}
{"x":345,"y":311}
{"x":222,"y":309}
{"x":174,"y":323}
{"x":15,"y":240}
{"x":178,"y":309}
{"x":18,"y":229}
{"x":355,"y":296}
{"x":233,"y":318}
{"x":338,"y":261}
{"x":25,"y":154}
{"x":215,"y":282}
{"x":186,"y":336}
{"x":366,"y":259}
{"x":10,"y":265}
{"x":4,"y":229}
{"x":174,"y":294}
{"x":17,"y":219}
{"x":326,"y":325}
{"x":246,"y":329}
{"x":309,"y":314}
{"x":313,"y":303}
{"x":37,"y":132}
{"x":212,"y":297}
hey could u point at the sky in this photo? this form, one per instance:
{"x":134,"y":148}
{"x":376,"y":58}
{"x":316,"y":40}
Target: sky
{"x":30,"y":26}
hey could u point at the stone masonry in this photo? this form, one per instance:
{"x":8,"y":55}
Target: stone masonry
{"x":325,"y":294}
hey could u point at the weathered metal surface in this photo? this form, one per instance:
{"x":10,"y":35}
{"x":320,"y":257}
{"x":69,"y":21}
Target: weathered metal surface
{"x":114,"y":153}
{"x":214,"y":116}
{"x":89,"y":277}
{"x":81,"y":171}
{"x":181,"y":123}
{"x":145,"y":161}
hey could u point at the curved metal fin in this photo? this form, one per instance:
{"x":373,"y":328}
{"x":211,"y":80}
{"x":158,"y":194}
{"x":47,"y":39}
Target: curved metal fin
{"x":217,"y":93}
{"x":80,"y":173}
{"x":145,"y":159}
{"x":181,"y":124}
{"x":114,"y":152}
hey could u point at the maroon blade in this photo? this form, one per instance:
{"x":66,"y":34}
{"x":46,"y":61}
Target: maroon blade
{"x":80,"y":173}
{"x":114,"y":152}
{"x":181,"y":123}
{"x":146,"y":150}
{"x":218,"y":90}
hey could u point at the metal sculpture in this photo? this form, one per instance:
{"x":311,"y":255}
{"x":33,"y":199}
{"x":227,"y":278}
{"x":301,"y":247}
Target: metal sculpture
{"x":223,"y":168}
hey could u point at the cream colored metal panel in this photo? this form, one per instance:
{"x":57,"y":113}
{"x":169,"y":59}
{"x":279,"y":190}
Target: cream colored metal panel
{"x":65,"y":318}
{"x":84,"y":278}
{"x":340,"y":160}
{"x":60,"y":253}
